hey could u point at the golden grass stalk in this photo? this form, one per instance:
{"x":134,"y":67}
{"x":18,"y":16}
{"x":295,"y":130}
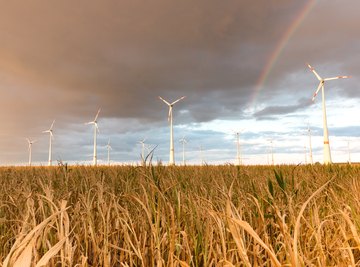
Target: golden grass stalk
{"x":298,"y":219}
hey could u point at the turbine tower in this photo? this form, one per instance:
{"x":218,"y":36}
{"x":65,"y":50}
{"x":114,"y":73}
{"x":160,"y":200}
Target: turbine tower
{"x":170,"y":119}
{"x":327,"y":152}
{"x":238,"y":149}
{"x":201,"y":155}
{"x":272,"y":151}
{"x":108,"y":151}
{"x":183,"y":142}
{"x":30,"y":146}
{"x":51,"y":136}
{"x":142,"y":143}
{"x":96,"y":130}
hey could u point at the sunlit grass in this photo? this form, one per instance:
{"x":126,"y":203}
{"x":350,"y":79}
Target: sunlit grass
{"x":180,"y":216}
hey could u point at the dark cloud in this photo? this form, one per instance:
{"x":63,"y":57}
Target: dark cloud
{"x":271,"y":112}
{"x":122,"y":54}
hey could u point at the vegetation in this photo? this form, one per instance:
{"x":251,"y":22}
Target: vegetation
{"x":180,"y":216}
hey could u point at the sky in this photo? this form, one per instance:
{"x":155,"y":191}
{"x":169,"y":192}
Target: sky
{"x":241,"y":64}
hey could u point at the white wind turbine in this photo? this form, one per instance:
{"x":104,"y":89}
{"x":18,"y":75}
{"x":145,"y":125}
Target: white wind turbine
{"x":30,"y":142}
{"x":51,"y":136}
{"x":108,"y":151}
{"x":142,"y":143}
{"x":327,"y":153}
{"x":183,"y":141}
{"x":238,"y":148}
{"x":201,"y":155}
{"x":271,"y":151}
{"x":96,"y":130}
{"x":170,"y":119}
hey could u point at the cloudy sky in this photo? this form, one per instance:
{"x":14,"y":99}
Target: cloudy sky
{"x":240,"y":63}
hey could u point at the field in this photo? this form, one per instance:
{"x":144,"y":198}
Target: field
{"x":180,"y":216}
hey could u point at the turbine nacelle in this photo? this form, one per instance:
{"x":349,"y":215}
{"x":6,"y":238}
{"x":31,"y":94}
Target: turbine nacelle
{"x":171,"y":105}
{"x":50,"y":131}
{"x":108,"y":145}
{"x":30,"y":142}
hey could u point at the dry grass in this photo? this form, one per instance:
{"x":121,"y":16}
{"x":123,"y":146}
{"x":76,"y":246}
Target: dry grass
{"x":180,"y":216}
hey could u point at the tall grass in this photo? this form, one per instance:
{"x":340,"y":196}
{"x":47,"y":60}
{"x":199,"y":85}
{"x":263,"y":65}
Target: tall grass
{"x":180,"y":216}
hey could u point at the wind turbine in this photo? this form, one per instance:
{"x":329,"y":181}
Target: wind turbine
{"x":271,"y":151}
{"x":327,"y":152}
{"x":30,"y":142}
{"x":170,"y":119}
{"x":183,"y":142}
{"x":96,"y":130}
{"x":201,"y":155}
{"x":142,"y":142}
{"x":108,"y":151}
{"x":238,"y":148}
{"x":51,"y":136}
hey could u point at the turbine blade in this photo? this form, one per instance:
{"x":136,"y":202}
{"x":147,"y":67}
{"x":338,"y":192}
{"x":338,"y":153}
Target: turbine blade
{"x":52,"y":125}
{"x":97,"y":114}
{"x":317,"y":91}
{"x":181,"y":98}
{"x":28,"y":140}
{"x":96,"y":126}
{"x":167,"y":103}
{"x":170,"y":113}
{"x":90,"y":122}
{"x":337,"y":77}
{"x":315,"y":73}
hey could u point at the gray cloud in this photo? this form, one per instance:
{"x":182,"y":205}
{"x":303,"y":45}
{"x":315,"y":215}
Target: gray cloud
{"x":271,"y":111}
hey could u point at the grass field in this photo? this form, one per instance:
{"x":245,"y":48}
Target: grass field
{"x":180,"y":216}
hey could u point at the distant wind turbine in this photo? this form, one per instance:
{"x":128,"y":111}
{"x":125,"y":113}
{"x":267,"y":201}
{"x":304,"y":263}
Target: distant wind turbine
{"x":51,"y":136}
{"x":272,"y":151}
{"x":96,"y":130}
{"x":108,"y":151}
{"x":142,"y":143}
{"x":238,"y":148}
{"x":183,"y":142}
{"x":201,"y":155}
{"x":349,"y":151}
{"x":170,"y":119}
{"x":30,"y":142}
{"x":327,"y":152}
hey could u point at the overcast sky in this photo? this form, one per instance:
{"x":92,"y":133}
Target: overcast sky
{"x":63,"y":60}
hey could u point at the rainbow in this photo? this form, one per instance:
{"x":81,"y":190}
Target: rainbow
{"x":279,"y":48}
